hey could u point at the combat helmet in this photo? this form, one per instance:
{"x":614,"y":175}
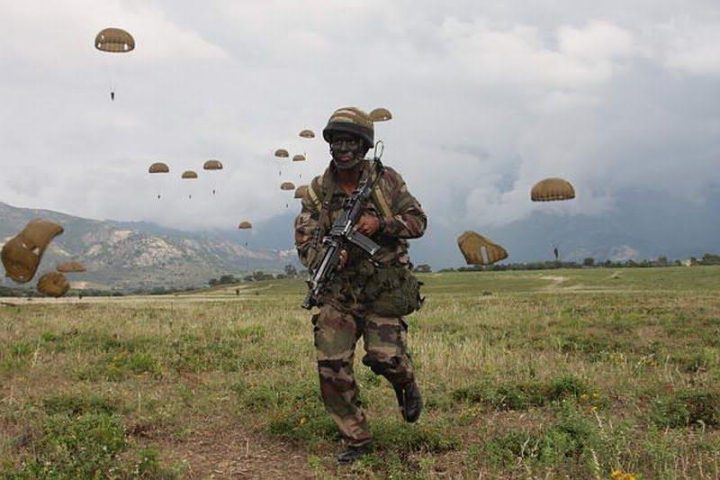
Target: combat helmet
{"x":350,"y":120}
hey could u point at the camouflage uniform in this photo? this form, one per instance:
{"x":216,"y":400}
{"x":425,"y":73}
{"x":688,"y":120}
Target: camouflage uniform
{"x":346,"y":313}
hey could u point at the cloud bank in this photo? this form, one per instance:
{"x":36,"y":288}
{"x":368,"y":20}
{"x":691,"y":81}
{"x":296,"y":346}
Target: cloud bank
{"x":486,"y":99}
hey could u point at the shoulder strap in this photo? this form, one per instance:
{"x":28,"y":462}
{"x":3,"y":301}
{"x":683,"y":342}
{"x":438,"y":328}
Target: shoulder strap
{"x":317,"y":203}
{"x":328,"y":184}
{"x":381,"y":201}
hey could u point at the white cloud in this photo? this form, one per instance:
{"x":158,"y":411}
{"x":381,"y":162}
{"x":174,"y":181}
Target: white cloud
{"x":62,"y":33}
{"x":693,"y":50}
{"x":486,"y":99}
{"x":597,"y":41}
{"x":520,"y":55}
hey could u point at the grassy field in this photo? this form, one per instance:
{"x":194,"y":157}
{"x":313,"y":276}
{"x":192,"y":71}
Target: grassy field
{"x":597,"y":373}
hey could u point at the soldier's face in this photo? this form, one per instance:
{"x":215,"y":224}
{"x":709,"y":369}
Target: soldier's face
{"x":346,"y":150}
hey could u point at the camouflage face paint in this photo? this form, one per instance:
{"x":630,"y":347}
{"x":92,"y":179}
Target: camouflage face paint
{"x":347,"y":150}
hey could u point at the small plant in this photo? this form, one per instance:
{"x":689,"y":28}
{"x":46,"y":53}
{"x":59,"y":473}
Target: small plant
{"x":521,"y":396}
{"x":687,"y":408}
{"x":82,"y":447}
{"x":75,"y":405}
{"x":395,"y":436}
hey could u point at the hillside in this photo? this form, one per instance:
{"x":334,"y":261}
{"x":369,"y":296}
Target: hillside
{"x":138,"y":255}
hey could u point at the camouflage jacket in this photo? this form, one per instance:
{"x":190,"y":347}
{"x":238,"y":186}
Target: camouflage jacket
{"x":403,"y":218}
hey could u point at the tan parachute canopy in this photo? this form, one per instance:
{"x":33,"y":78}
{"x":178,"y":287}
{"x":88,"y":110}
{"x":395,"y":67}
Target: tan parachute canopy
{"x":281,"y":153}
{"x":551,"y":189}
{"x":380,"y":114}
{"x":189,"y":174}
{"x":53,"y":284}
{"x":244,"y":225}
{"x":478,"y":250}
{"x":70,"y":267}
{"x":307,"y":133}
{"x":159,"y":167}
{"x":21,"y":255}
{"x":299,"y":158}
{"x":213,"y":165}
{"x":301,"y":191}
{"x":287,"y":186}
{"x":114,"y":40}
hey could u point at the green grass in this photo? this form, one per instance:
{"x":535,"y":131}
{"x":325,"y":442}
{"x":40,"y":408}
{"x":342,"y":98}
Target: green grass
{"x":558,"y":374}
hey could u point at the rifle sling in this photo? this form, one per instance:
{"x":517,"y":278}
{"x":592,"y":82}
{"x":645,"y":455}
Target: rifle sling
{"x":330,"y":186}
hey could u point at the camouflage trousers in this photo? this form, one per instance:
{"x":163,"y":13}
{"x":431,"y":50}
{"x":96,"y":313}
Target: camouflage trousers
{"x":336,"y":333}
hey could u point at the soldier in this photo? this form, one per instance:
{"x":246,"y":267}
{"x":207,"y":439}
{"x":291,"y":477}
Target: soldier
{"x":366,"y":298}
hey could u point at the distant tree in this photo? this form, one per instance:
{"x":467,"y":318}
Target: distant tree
{"x":423,"y":268}
{"x":290,"y":270}
{"x":710,"y":259}
{"x":588,"y":262}
{"x":225,"y":279}
{"x":260,"y":275}
{"x":213,"y":281}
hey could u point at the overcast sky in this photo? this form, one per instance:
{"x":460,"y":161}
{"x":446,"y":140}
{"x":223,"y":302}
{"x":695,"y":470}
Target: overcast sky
{"x":487,"y":99}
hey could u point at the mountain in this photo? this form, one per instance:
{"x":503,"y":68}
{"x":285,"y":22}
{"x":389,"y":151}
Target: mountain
{"x":130,"y":255}
{"x":140,"y":255}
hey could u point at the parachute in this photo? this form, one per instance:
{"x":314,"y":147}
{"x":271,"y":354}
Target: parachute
{"x":298,"y":158}
{"x":281,"y":153}
{"x":287,"y":186}
{"x":307,"y":134}
{"x":552,"y":189}
{"x":549,"y":190}
{"x":380,"y":114}
{"x":212,"y":165}
{"x":246,"y":225}
{"x":301,"y":191}
{"x":189,"y":175}
{"x":53,"y":284}
{"x":21,"y":255}
{"x":114,"y":40}
{"x":70,"y":267}
{"x":159,"y":167}
{"x":479,"y":250}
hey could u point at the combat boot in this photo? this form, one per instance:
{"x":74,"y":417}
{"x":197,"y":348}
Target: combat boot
{"x":409,"y":400}
{"x":351,"y":454}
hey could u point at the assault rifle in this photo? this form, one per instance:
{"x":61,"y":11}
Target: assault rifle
{"x":342,"y":233}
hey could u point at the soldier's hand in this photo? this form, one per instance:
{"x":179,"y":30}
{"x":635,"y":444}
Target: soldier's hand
{"x":368,"y":224}
{"x":343,"y":259}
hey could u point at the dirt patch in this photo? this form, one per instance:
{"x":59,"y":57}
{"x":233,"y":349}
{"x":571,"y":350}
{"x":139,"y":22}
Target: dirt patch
{"x":556,"y":280}
{"x":230,"y":451}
